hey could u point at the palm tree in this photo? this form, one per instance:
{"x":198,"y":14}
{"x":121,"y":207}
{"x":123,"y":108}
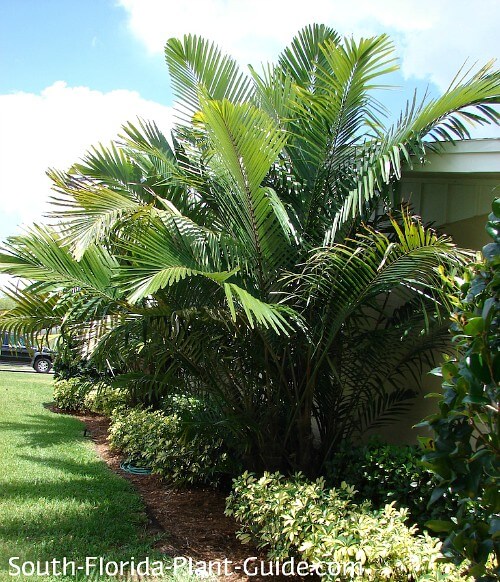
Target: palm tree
{"x":260,"y":257}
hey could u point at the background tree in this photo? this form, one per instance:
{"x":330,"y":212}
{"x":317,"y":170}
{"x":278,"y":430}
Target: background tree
{"x":465,"y":454}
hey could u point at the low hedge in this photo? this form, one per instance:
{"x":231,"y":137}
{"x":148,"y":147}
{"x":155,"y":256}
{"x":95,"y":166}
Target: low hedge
{"x":83,"y":395}
{"x":71,"y":394}
{"x":157,"y":440}
{"x":104,"y":399}
{"x":299,"y":518}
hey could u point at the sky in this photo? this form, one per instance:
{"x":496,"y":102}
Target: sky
{"x":73,"y":71}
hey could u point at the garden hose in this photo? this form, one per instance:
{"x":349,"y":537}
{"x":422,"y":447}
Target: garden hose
{"x":129,"y":467}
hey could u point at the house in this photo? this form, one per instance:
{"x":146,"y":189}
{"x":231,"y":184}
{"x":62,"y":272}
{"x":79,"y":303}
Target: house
{"x":455,"y":188}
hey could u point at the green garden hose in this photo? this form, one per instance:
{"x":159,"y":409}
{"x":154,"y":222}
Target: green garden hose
{"x":129,"y":467}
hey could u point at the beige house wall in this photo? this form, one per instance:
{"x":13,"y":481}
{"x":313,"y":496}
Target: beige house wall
{"x":454,"y":205}
{"x":468,"y":233}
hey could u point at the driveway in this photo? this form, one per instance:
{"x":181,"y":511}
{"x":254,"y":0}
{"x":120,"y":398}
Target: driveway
{"x":17,"y":367}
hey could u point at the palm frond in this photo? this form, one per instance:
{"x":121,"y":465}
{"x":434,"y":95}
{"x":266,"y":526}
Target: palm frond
{"x":195,"y":65}
{"x":90,"y":211}
{"x":304,"y":57}
{"x":245,"y":143}
{"x":468,"y":101}
{"x":42,"y":255}
{"x":256,"y":311}
{"x":330,"y":121}
{"x":344,"y":277}
{"x":33,"y":314}
{"x":385,"y":409}
{"x":167,"y":252}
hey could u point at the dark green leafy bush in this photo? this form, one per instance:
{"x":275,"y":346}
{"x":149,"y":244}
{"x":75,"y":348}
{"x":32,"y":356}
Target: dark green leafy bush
{"x":466,"y":450}
{"x":157,"y":439}
{"x":304,"y":519}
{"x":384,"y":474}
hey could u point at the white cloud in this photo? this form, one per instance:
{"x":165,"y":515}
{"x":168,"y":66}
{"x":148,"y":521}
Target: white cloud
{"x":54,"y":129}
{"x":458,"y":31}
{"x":434,"y":38}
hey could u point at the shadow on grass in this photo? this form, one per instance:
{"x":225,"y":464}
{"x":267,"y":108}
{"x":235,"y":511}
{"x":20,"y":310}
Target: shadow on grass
{"x":42,"y":430}
{"x":88,"y":470}
{"x":57,"y":498}
{"x":73,"y":509}
{"x":97,"y":509}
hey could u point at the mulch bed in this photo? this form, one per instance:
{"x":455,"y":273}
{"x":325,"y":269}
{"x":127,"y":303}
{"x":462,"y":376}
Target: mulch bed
{"x":192,"y":520}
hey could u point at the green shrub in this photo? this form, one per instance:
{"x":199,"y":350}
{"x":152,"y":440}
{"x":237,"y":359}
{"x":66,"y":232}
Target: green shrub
{"x":385,"y":474}
{"x":71,"y":394}
{"x":465,"y":453}
{"x":157,"y":440}
{"x":84,"y":395}
{"x":295,"y":517}
{"x":103,"y":399}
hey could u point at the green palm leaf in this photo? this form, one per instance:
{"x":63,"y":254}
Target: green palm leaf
{"x":467,"y":101}
{"x":256,"y":311}
{"x":33,"y":313}
{"x":195,"y":65}
{"x":304,"y":57}
{"x":43,"y":256}
{"x":245,"y":142}
{"x":344,"y":277}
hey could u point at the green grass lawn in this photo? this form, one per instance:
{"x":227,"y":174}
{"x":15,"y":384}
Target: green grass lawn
{"x":57,"y":499}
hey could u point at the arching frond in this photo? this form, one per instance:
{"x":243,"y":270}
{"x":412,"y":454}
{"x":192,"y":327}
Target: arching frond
{"x":304,"y":57}
{"x":346,"y":276}
{"x":468,"y":101}
{"x":90,"y":211}
{"x":256,"y":311}
{"x":42,"y":255}
{"x":331,"y":118}
{"x":33,"y":313}
{"x":245,"y":142}
{"x":195,"y":65}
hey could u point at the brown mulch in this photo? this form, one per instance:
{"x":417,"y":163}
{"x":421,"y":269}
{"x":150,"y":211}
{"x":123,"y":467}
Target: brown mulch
{"x":192,"y":521}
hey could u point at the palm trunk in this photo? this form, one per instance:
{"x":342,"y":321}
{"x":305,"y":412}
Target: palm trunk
{"x":305,"y":439}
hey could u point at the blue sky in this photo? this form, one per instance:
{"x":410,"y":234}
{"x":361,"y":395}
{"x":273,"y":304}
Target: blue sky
{"x":72,"y":71}
{"x":83,"y":42}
